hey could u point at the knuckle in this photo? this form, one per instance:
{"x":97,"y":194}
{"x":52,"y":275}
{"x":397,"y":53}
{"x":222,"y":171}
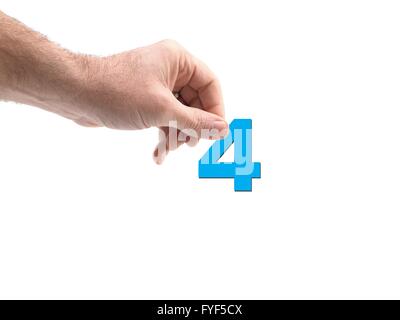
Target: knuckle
{"x":198,"y":121}
{"x":170,"y":43}
{"x":202,"y":123}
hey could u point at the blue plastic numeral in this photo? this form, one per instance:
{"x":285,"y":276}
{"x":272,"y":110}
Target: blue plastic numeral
{"x":242,"y":170}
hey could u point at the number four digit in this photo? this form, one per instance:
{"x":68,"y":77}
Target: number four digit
{"x":242,"y":170}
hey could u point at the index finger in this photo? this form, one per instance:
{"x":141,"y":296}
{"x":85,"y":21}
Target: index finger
{"x":208,"y":88}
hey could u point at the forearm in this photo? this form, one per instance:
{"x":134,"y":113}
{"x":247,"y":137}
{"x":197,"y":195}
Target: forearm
{"x":128,"y":90}
{"x":35,"y":71}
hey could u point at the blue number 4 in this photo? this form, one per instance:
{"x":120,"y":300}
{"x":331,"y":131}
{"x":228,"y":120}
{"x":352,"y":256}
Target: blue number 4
{"x":242,"y":170}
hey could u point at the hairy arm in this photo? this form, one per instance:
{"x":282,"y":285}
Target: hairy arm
{"x":38,"y":72}
{"x":135,"y":89}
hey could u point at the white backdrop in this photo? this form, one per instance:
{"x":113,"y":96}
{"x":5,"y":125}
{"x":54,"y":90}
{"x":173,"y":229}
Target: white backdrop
{"x":84,"y":213}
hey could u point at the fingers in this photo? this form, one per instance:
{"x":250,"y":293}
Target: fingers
{"x":198,"y":110}
{"x":169,"y":140}
{"x":206,"y":85}
{"x":193,"y":121}
{"x":189,"y":97}
{"x":199,"y":123}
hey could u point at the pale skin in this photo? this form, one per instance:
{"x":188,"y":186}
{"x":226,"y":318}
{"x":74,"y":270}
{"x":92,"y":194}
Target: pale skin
{"x":142,"y":88}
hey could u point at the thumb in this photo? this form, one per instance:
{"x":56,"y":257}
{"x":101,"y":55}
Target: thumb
{"x":197,"y":122}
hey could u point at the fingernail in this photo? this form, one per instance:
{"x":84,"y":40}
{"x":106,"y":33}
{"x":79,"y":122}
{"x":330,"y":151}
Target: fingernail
{"x":222,"y":127}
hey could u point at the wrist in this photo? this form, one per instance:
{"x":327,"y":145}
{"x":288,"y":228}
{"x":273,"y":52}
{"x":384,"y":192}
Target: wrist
{"x":63,"y":85}
{"x":86,"y":77}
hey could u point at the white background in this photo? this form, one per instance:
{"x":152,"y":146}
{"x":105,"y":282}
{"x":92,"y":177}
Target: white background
{"x":84,"y":213}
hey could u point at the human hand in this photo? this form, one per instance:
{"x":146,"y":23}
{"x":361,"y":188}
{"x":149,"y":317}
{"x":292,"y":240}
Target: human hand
{"x":135,"y":90}
{"x":129,"y":90}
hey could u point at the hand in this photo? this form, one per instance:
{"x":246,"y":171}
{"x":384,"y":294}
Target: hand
{"x":135,"y":90}
{"x":131,"y":90}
